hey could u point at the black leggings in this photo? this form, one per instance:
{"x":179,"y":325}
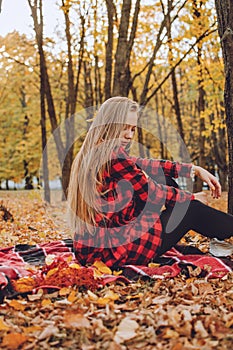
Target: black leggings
{"x":177,"y":221}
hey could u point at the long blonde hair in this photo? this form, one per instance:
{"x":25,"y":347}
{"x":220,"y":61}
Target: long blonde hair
{"x":93,"y":159}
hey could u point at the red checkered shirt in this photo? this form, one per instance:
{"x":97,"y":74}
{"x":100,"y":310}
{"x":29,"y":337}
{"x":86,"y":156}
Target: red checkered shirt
{"x":128,"y":229}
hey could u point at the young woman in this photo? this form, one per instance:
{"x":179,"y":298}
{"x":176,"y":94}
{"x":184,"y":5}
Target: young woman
{"x":119,"y":212}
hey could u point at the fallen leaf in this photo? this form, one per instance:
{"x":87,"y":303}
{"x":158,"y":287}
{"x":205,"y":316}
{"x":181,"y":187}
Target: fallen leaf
{"x":3,"y":325}
{"x":52,"y":272}
{"x":101,"y":269}
{"x":36,"y":296}
{"x":76,"y":320}
{"x":75,"y":266}
{"x":64,"y":291}
{"x":46,"y":302}
{"x":200,"y":329}
{"x":50,"y":259}
{"x":24,"y":284}
{"x":17,"y":305}
{"x":153,"y":265}
{"x":13,"y":340}
{"x":72,"y":296}
{"x":169,"y":333}
{"x":32,"y":329}
{"x":48,"y":332}
{"x":126,"y":330}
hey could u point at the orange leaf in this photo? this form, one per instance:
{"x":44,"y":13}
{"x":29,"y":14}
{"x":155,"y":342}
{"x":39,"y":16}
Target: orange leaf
{"x":17,"y":305}
{"x":24,"y":284}
{"x":3,"y":325}
{"x":72,"y":297}
{"x":46,"y":302}
{"x":14,"y":340}
{"x":64,"y":291}
{"x":52,"y":272}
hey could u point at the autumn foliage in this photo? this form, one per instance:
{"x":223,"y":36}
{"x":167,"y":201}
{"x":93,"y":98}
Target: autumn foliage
{"x":175,"y":313}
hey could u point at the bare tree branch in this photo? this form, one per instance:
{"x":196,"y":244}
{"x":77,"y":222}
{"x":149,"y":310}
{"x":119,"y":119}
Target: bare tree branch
{"x":205,"y":34}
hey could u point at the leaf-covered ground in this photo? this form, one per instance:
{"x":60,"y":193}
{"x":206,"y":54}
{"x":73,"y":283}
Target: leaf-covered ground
{"x":176,"y":314}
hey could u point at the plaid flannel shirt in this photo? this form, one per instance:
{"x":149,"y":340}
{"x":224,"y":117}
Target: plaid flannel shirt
{"x":129,"y":229}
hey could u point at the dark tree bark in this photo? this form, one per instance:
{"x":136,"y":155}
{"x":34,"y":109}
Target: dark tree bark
{"x":219,"y":150}
{"x":200,"y":108}
{"x":27,"y":175}
{"x":47,"y":196}
{"x":48,"y":93}
{"x":122,"y":81}
{"x":64,"y":151}
{"x":109,"y":50}
{"x":70,"y":108}
{"x":38,"y":26}
{"x":173,"y":75}
{"x":225,"y":26}
{"x":201,"y":97}
{"x":89,"y":100}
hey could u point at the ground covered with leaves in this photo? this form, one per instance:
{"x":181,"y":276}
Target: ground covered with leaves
{"x":178,"y":313}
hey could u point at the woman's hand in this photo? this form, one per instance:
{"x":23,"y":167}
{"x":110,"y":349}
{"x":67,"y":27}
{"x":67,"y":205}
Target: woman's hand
{"x":201,"y":196}
{"x":210,"y":179}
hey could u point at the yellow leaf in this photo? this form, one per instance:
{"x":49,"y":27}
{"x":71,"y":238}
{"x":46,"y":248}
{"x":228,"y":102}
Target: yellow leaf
{"x":13,"y":340}
{"x":24,"y":284}
{"x":117,"y":273}
{"x":3,"y":325}
{"x":72,"y":297}
{"x":46,"y":302}
{"x":17,"y":305}
{"x":136,"y":296}
{"x":111,"y":295}
{"x":52,"y":272}
{"x":41,"y":234}
{"x":103,"y":301}
{"x":64,"y":291}
{"x":70,"y":258}
{"x":31,"y":329}
{"x":75,"y":266}
{"x":102,"y":268}
{"x":153,"y":265}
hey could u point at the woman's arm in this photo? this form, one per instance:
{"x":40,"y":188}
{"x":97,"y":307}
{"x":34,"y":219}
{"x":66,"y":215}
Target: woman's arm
{"x":153,"y":167}
{"x":143,"y":188}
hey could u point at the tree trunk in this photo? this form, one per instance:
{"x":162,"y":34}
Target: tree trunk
{"x":48,"y":93}
{"x":70,"y":110}
{"x":173,"y":77}
{"x":89,"y":101}
{"x":219,"y":150}
{"x":201,"y":107}
{"x":109,"y":50}
{"x":122,"y":81}
{"x":225,"y":26}
{"x":201,"y":98}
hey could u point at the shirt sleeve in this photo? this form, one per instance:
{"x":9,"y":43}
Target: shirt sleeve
{"x":143,"y":188}
{"x":153,"y":167}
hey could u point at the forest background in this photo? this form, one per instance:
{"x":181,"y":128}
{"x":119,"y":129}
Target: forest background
{"x":164,"y":54}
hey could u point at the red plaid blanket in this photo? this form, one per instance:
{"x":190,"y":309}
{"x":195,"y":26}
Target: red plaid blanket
{"x":25,"y":268}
